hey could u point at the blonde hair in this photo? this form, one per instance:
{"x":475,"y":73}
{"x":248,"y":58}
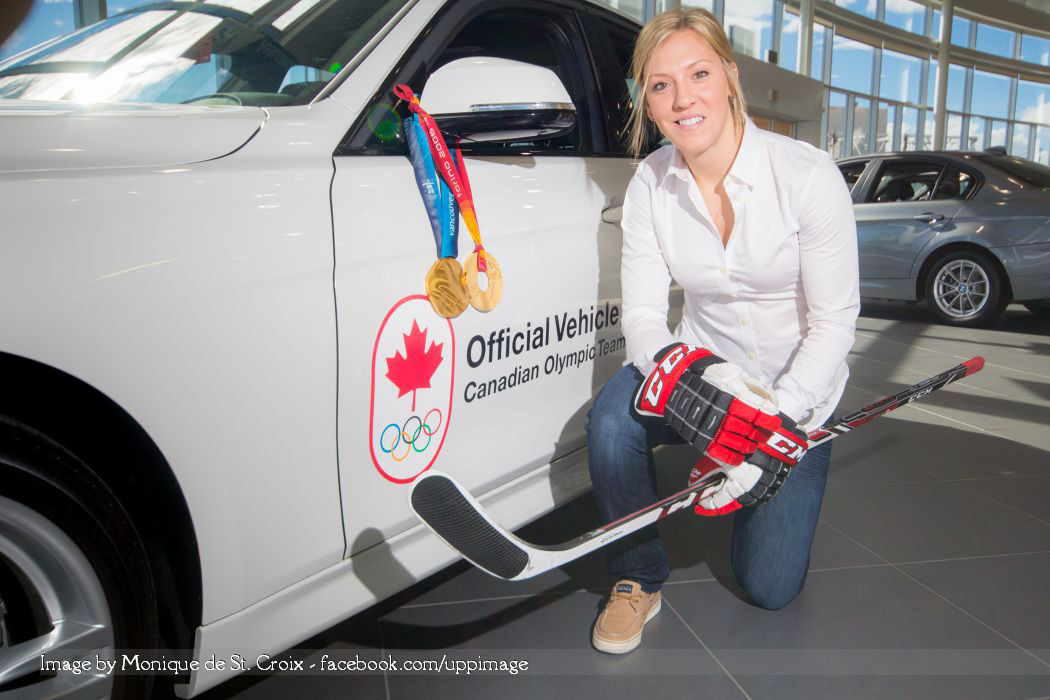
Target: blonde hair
{"x":652,"y":35}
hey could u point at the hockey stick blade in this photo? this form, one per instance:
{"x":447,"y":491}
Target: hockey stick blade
{"x":463,"y":524}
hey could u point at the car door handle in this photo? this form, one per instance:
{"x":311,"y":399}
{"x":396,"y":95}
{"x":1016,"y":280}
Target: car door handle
{"x":928,"y":217}
{"x":613,"y":215}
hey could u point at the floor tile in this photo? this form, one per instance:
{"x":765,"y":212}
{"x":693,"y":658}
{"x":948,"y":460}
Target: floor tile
{"x":599,"y":686}
{"x":942,"y":448}
{"x":917,"y":522}
{"x":1007,"y":593}
{"x":899,"y":688}
{"x":358,"y":636}
{"x":869,"y":608}
{"x":552,"y":633}
{"x":1028,"y":494}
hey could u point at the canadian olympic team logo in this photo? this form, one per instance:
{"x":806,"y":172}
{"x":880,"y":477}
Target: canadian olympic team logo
{"x":413,"y":368}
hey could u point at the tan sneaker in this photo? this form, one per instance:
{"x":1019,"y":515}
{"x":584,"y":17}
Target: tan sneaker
{"x":618,"y":629}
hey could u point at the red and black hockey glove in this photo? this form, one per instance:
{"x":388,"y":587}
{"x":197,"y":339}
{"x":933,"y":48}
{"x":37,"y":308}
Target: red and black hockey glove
{"x":711,"y":403}
{"x":756,"y":480}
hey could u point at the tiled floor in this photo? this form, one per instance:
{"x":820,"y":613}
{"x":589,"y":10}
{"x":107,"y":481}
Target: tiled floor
{"x":930,"y":574}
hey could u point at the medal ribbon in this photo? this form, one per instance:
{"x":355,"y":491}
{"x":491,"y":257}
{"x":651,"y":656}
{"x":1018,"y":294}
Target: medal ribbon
{"x":437,"y":197}
{"x":456,"y":177}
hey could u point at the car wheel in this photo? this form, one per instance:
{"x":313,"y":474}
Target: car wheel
{"x":74,"y":577}
{"x":964,"y":288}
{"x":1042,"y":306}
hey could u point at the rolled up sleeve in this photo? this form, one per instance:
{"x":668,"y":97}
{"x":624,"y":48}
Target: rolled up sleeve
{"x":644,"y":276}
{"x":830,"y":281}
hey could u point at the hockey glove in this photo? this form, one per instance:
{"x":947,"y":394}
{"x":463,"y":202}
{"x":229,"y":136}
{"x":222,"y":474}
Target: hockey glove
{"x":711,"y":403}
{"x":755,"y":481}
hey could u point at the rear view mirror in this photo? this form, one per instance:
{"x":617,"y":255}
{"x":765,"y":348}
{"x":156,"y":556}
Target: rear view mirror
{"x":485,"y":99}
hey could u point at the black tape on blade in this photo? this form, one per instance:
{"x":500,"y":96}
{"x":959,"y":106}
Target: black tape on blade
{"x":441,"y":505}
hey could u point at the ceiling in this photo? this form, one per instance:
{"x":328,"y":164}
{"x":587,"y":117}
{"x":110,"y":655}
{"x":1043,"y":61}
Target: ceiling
{"x":1026,"y":14}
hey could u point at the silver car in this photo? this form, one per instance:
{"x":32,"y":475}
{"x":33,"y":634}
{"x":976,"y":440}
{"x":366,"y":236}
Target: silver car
{"x":967,"y":232}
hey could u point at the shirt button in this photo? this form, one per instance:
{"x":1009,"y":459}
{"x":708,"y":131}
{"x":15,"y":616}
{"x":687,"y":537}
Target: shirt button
{"x":751,"y":356}
{"x":743,"y":322}
{"x":722,"y":269}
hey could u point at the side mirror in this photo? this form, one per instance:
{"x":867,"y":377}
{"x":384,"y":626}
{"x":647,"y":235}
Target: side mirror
{"x":485,"y":99}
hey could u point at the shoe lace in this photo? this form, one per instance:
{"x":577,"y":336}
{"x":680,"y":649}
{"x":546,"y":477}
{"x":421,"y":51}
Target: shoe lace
{"x":633,"y":599}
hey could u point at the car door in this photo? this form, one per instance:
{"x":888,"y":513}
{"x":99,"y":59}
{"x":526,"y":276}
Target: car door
{"x":485,"y":397}
{"x":897,"y":215}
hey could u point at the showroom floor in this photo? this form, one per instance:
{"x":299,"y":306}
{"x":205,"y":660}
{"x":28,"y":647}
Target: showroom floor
{"x":930,"y":575}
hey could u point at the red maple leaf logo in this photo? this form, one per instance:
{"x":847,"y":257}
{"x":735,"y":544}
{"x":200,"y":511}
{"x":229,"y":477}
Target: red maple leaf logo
{"x":414,"y":370}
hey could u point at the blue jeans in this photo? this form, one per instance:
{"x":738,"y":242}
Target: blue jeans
{"x":771,"y":541}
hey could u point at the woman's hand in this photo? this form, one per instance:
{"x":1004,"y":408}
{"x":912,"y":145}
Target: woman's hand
{"x":756,"y":480}
{"x":711,"y":403}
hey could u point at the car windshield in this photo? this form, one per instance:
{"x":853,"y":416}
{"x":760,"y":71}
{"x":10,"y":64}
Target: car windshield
{"x":1026,"y":171}
{"x":232,"y":52}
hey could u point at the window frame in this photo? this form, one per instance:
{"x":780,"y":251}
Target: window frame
{"x":877,"y":164}
{"x":428,"y":46}
{"x":864,"y":162}
{"x":611,"y":79}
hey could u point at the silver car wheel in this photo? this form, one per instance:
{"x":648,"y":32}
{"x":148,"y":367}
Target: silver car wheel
{"x":961,"y":289}
{"x":61,"y":578}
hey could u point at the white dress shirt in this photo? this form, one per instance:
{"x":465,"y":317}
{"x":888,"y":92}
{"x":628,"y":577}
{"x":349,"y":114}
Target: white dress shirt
{"x":780,"y":300}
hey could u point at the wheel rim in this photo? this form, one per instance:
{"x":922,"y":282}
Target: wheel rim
{"x":961,"y":289}
{"x":60,"y":577}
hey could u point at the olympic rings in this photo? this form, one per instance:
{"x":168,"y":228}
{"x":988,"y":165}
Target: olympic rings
{"x":411,"y":439}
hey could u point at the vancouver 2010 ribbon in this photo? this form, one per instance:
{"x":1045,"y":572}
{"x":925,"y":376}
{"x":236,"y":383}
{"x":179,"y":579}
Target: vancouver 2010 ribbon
{"x":444,"y":281}
{"x":440,"y":278}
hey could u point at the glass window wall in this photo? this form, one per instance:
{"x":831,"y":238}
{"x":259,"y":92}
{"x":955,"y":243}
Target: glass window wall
{"x":899,"y":77}
{"x":975,"y":136}
{"x":1022,"y":137}
{"x":1042,"y":145}
{"x":997,"y":134}
{"x":1033,"y":102}
{"x":907,"y":15}
{"x":952,"y":132}
{"x":884,"y":127}
{"x":909,"y":129}
{"x":708,"y":5}
{"x":836,"y":143}
{"x":991,"y":94}
{"x":852,"y":64}
{"x":956,"y":86}
{"x":816,"y":68}
{"x":861,"y":7}
{"x":861,"y":114}
{"x":960,"y":29}
{"x":1035,"y":49}
{"x":749,"y":24}
{"x":996,"y":41}
{"x":789,"y":32}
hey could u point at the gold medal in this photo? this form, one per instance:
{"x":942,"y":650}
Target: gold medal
{"x":483,"y":300}
{"x":444,"y":285}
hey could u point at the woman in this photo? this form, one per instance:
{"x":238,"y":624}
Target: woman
{"x":758,"y":229}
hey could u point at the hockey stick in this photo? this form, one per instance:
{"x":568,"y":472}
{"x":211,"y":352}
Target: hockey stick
{"x":458,"y":519}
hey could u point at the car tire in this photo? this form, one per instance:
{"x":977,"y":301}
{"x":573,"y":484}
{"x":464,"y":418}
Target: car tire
{"x":965,"y":288}
{"x":1041,"y":306}
{"x":74,"y":577}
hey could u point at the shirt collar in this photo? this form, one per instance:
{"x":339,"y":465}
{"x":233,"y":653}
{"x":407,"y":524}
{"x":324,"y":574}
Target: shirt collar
{"x":746,"y":166}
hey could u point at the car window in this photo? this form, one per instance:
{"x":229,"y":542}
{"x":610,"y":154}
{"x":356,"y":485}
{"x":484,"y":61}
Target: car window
{"x":533,"y":37}
{"x":956,"y":184}
{"x":905,"y":181}
{"x":283,"y":52}
{"x":851,"y":172}
{"x":617,"y":79}
{"x":1025,"y":170}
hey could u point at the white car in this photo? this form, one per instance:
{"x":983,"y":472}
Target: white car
{"x":219,"y":373}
